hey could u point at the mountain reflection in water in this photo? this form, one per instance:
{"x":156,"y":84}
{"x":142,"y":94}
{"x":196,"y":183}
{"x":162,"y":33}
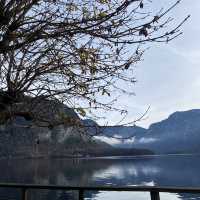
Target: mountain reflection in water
{"x":179,"y":171}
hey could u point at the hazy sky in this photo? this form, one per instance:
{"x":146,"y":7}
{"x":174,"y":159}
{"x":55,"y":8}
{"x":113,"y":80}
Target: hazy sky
{"x":169,"y":76}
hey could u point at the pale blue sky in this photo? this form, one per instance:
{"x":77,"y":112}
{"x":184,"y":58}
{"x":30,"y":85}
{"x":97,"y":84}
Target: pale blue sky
{"x":169,"y":76}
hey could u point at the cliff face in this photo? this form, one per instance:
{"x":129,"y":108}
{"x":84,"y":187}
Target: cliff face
{"x":16,"y":141}
{"x":33,"y":128}
{"x":40,"y":134}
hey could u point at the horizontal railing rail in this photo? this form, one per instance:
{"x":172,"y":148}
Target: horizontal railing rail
{"x":153,"y":190}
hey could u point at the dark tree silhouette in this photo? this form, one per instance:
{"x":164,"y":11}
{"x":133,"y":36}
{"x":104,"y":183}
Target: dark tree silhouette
{"x":75,"y":51}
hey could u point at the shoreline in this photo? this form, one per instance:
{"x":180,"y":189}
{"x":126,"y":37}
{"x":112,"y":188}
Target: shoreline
{"x":96,"y":157}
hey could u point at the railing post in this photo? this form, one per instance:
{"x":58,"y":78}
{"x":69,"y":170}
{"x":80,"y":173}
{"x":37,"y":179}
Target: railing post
{"x":81,"y":194}
{"x":155,"y":195}
{"x":24,"y":194}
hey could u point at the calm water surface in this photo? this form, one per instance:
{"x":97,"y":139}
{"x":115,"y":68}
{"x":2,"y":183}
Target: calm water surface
{"x":182,"y":170}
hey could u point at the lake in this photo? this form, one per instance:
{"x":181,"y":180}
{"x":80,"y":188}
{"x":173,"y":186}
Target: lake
{"x":171,"y":170}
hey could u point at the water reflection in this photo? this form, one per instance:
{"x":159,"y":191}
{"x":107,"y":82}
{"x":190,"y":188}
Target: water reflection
{"x":162,"y":171}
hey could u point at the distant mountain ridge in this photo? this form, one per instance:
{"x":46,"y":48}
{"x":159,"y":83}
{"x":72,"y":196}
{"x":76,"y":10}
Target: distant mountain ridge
{"x":22,"y":136}
{"x":179,"y":133}
{"x":120,"y":131}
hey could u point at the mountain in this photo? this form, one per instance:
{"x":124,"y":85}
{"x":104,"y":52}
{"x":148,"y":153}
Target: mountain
{"x":23,"y":134}
{"x":117,"y":131}
{"x":110,"y":134}
{"x":114,"y":135}
{"x":179,"y":133}
{"x":123,"y":131}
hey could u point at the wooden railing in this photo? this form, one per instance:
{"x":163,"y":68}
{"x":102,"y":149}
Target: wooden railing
{"x":154,"y":191}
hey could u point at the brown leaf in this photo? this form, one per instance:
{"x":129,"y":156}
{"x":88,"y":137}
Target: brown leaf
{"x":155,"y":19}
{"x":143,"y":31}
{"x":141,"y":5}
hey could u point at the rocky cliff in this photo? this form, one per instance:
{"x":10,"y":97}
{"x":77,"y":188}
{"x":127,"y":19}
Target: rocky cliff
{"x":43,"y":128}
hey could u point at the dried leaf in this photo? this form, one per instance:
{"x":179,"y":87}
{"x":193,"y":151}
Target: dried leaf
{"x":127,"y":65}
{"x":81,"y":111}
{"x":155,"y":19}
{"x":143,"y":31}
{"x":141,"y":5}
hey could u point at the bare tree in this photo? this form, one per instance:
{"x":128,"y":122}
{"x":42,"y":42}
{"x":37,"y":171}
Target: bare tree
{"x":75,"y":51}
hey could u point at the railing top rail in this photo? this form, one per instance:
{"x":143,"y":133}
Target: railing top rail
{"x":106,"y":188}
